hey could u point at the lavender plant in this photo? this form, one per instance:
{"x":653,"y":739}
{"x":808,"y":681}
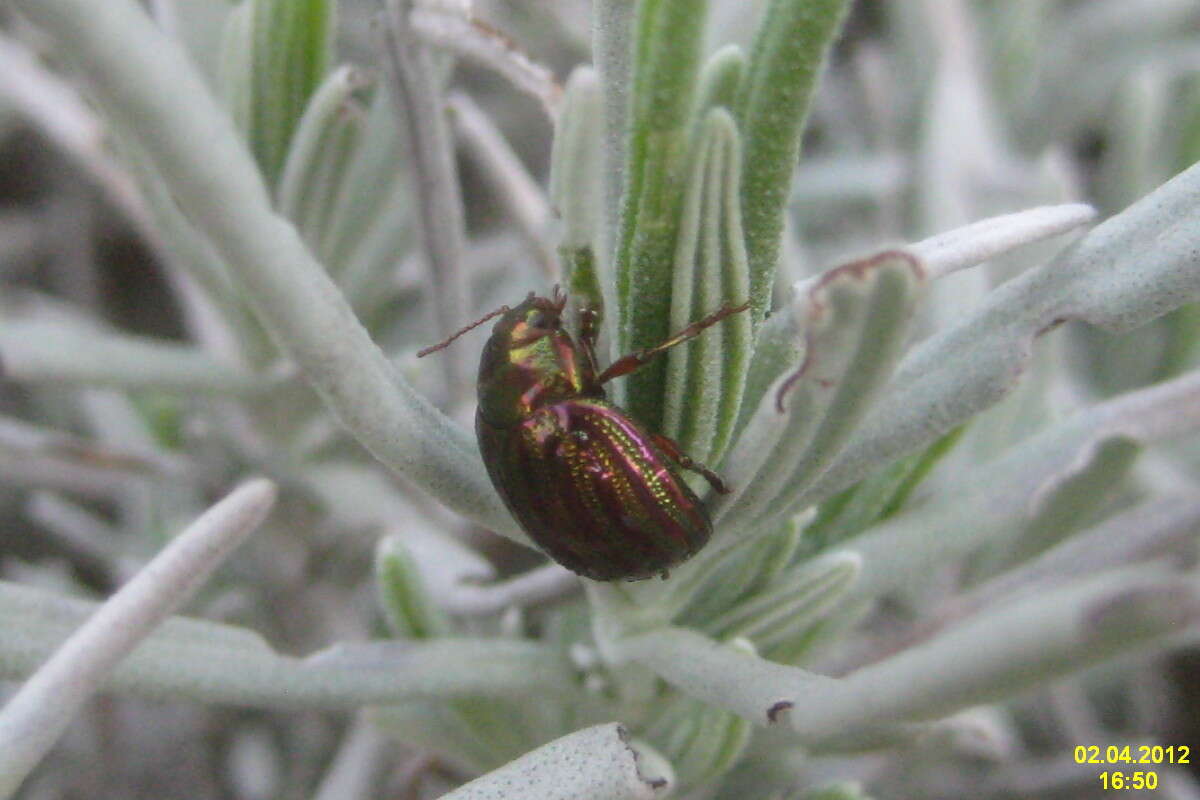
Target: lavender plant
{"x":959,"y":420}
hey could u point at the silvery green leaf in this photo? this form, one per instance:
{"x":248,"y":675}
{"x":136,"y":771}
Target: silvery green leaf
{"x":505,"y":728}
{"x":26,"y":608}
{"x":877,"y":497}
{"x":1189,"y":124}
{"x":214,"y":663}
{"x":842,"y":790}
{"x":516,"y":192}
{"x":575,"y":185}
{"x":370,"y":266}
{"x":325,"y":143}
{"x":719,"y":81}
{"x":975,"y":243}
{"x":358,"y":761}
{"x":614,"y":54}
{"x":700,"y":742}
{"x":48,"y":470}
{"x":188,"y":250}
{"x":357,"y":496}
{"x":722,"y":675}
{"x":999,"y":652}
{"x":855,"y":323}
{"x":536,"y":586}
{"x":54,"y":351}
{"x":1183,"y":336}
{"x":41,"y":709}
{"x":993,"y":505}
{"x":149,"y":86}
{"x":416,"y":87}
{"x":458,"y":579}
{"x":793,"y":602}
{"x":23,"y":440}
{"x":274,"y":55}
{"x":983,"y":660}
{"x":1123,"y":273}
{"x":406,"y":606}
{"x":668,"y":43}
{"x":1076,"y":498}
{"x":236,"y":65}
{"x":435,"y":725}
{"x":706,"y":584}
{"x":369,"y":215}
{"x":713,"y":584}
{"x":785,"y":62}
{"x":1152,"y":529}
{"x":705,"y":376}
{"x":778,"y":348}
{"x":446,"y":564}
{"x":596,"y":762}
{"x":577,"y":194}
{"x":802,"y":645}
{"x":455,"y":30}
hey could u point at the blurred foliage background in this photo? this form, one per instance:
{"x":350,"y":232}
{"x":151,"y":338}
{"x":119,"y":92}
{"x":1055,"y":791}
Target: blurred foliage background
{"x":137,"y":393}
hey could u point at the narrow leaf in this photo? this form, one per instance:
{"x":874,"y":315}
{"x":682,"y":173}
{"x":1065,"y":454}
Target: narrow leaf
{"x":1153,"y":529}
{"x":720,"y":81}
{"x":596,"y":762}
{"x":984,"y":660}
{"x":40,"y":711}
{"x":998,"y":653}
{"x":700,"y":742}
{"x":713,"y":584}
{"x":855,"y":509}
{"x":575,"y":186}
{"x":791,"y":45}
{"x":1136,"y":266}
{"x":842,"y":790}
{"x":407,"y":607}
{"x":613,"y":33}
{"x":372,"y":204}
{"x":577,"y":193}
{"x":778,"y":349}
{"x":993,"y":505}
{"x":274,"y":55}
{"x":143,"y":80}
{"x":212,"y":663}
{"x":45,"y":351}
{"x":705,"y":376}
{"x":855,"y":329}
{"x":326,"y":140}
{"x":668,"y":46}
{"x":793,"y":602}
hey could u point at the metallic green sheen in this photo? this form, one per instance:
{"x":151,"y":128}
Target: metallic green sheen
{"x":589,"y":484}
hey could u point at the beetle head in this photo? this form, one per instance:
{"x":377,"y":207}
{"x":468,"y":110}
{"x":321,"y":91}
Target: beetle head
{"x":533,"y":319}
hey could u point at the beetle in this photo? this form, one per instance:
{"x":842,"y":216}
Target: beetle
{"x":595,"y":489}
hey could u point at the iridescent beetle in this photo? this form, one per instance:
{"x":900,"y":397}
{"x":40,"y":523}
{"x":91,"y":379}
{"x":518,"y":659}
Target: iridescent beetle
{"x":598,"y":492}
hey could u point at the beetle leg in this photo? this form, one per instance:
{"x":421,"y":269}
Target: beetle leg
{"x":628,"y":363}
{"x":589,"y":332}
{"x":671,"y":448}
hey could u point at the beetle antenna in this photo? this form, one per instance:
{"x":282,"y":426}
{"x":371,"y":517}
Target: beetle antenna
{"x":446,"y":342}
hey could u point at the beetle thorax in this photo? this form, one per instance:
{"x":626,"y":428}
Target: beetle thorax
{"x":525,"y":367}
